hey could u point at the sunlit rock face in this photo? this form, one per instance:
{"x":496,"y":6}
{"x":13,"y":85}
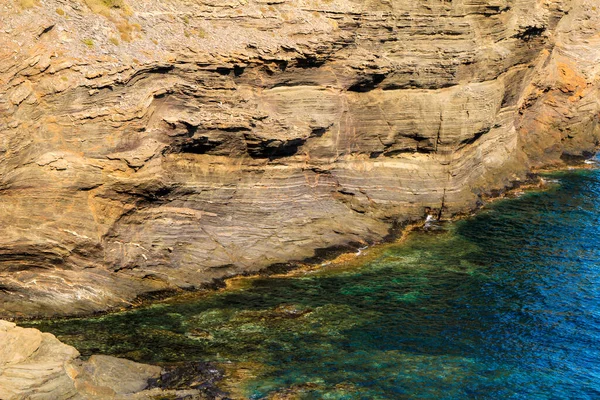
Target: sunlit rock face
{"x":35,"y":365}
{"x":163,"y":144}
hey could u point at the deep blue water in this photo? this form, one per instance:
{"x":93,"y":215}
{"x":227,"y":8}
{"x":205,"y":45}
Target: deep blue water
{"x":503,"y":305}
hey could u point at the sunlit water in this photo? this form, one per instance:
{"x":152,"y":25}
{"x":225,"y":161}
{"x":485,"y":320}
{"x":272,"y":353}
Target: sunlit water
{"x":502,"y":305}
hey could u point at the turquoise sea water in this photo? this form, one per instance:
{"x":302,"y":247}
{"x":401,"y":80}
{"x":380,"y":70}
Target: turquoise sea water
{"x":503,"y":305}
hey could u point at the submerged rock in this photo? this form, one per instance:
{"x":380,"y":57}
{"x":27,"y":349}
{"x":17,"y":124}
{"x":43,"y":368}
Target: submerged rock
{"x":201,"y":376}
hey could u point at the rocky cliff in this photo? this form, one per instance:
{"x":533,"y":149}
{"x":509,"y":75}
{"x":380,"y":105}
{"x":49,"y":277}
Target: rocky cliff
{"x":151,"y":145}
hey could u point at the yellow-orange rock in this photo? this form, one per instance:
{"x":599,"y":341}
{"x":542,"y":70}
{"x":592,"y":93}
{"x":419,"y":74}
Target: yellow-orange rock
{"x":171,"y":143}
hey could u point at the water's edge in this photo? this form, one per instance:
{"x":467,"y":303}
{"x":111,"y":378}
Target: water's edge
{"x":265,"y":315}
{"x":322,"y":256}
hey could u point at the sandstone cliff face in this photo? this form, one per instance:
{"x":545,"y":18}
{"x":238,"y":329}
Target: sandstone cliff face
{"x":162,"y":144}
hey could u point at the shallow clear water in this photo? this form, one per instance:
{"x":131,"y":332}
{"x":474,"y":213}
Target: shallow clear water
{"x":502,"y":305}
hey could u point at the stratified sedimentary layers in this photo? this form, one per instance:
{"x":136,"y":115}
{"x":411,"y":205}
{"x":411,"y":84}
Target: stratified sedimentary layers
{"x":162,"y":144}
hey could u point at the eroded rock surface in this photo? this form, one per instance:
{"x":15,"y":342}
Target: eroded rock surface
{"x":36,"y":366}
{"x":162,"y":144}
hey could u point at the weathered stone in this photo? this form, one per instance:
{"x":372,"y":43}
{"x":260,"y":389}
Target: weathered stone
{"x":174,"y":143}
{"x":35,"y":365}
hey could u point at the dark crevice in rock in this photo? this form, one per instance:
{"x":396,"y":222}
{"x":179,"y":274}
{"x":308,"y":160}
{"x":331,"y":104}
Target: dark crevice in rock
{"x":415,"y":84}
{"x":495,"y":10}
{"x":318,"y":170}
{"x":203,"y":142}
{"x":292,"y":83}
{"x":319,"y":130}
{"x":238,"y":70}
{"x":154,"y":195}
{"x":367,"y":84}
{"x":442,"y":206}
{"x":272,"y":148}
{"x":510,"y":98}
{"x":191,"y":129}
{"x":309,"y":62}
{"x":223,"y":71}
{"x":439,"y":132}
{"x":576,"y":159}
{"x":46,"y":30}
{"x":152,"y":69}
{"x":395,"y":152}
{"x":222,"y":267}
{"x":30,"y":260}
{"x":530,"y":32}
{"x":163,"y":94}
{"x":282,"y":65}
{"x":475,"y":137}
{"x":235,"y":129}
{"x":346,"y":192}
{"x":200,"y":145}
{"x":6,"y":289}
{"x":406,"y":150}
{"x":90,"y":188}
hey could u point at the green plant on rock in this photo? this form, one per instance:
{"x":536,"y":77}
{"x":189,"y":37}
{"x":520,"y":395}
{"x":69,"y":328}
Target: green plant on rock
{"x":25,"y":4}
{"x":104,"y":6}
{"x":120,"y":17}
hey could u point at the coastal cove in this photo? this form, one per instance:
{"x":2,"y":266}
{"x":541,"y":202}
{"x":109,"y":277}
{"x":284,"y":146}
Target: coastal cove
{"x":312,"y":199}
{"x":499,"y":305}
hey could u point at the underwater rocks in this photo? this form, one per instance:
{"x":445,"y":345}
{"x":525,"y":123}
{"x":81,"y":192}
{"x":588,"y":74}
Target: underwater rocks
{"x":161,"y":145}
{"x":203,"y":377}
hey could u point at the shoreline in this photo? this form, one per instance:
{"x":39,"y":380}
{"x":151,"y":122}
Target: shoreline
{"x":331,"y":257}
{"x":232,"y":376}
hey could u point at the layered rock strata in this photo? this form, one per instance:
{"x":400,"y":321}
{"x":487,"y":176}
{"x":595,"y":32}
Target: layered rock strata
{"x":157,"y":145}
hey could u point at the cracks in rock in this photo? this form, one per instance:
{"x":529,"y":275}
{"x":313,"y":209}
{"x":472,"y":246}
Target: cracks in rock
{"x":320,"y":171}
{"x":442,"y":206}
{"x":530,"y":33}
{"x":198,"y":139}
{"x":46,"y":30}
{"x":439,"y":132}
{"x":151,"y":69}
{"x":319,"y":131}
{"x":474,"y":138}
{"x":272,"y":148}
{"x":152,"y":196}
{"x":494,"y":10}
{"x":368,"y":83}
{"x":200,"y":145}
{"x":90,"y":188}
{"x":30,"y":259}
{"x":309,"y":62}
{"x":6,"y":289}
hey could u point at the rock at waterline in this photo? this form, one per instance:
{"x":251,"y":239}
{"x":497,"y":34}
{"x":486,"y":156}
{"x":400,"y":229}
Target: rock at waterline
{"x":36,"y":365}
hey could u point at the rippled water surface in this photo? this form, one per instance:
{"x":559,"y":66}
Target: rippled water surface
{"x":502,"y":305}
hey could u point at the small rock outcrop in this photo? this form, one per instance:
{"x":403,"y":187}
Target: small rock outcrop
{"x":37,"y":366}
{"x":151,"y":145}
